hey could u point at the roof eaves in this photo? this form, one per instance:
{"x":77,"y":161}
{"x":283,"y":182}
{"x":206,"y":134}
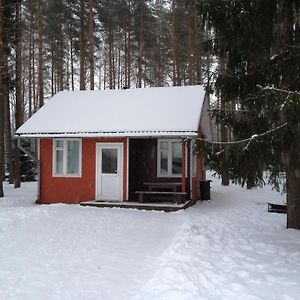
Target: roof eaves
{"x":145,"y":133}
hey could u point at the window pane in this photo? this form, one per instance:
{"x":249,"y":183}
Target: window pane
{"x":164,"y":145}
{"x":59,"y":144}
{"x":109,"y":161}
{"x":73,"y":157}
{"x":59,"y":161}
{"x":176,"y":158}
{"x":163,"y":162}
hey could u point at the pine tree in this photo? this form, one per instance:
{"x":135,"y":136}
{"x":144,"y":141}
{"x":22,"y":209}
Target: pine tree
{"x":91,"y":43}
{"x":82,"y":44}
{"x":19,"y":100}
{"x":40,"y":26}
{"x":7,"y":41}
{"x":260,"y":82}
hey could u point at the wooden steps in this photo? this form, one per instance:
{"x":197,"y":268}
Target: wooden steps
{"x":167,"y":207}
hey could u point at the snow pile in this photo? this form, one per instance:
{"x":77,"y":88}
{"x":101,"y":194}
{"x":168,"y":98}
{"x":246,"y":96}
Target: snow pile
{"x":228,"y":249}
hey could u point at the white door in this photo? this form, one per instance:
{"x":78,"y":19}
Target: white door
{"x":109,"y":171}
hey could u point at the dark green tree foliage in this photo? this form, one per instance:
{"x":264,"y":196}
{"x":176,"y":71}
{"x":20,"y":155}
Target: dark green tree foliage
{"x":27,"y":165}
{"x":260,"y":42}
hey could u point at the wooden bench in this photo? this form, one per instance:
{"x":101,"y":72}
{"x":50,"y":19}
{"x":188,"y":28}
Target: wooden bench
{"x":179,"y":197}
{"x":172,"y":186}
{"x":277,"y":208}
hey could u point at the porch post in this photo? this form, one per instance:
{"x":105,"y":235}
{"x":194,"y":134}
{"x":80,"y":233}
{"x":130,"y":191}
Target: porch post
{"x":189,"y":164}
{"x":183,"y":167}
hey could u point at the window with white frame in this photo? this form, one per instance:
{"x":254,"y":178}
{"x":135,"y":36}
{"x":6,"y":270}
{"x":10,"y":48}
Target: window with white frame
{"x":67,"y":157}
{"x":169,"y":158}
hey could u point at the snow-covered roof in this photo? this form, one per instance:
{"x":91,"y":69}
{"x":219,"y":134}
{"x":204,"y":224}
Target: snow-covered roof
{"x":160,"y":111}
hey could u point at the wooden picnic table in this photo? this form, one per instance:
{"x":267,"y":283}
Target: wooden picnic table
{"x":173,"y":186}
{"x":163,"y":189}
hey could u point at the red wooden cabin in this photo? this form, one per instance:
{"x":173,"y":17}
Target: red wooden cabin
{"x":107,"y":145}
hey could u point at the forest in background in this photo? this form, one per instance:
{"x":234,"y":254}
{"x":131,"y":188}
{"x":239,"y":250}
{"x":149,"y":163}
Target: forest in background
{"x":50,"y":46}
{"x":246,"y":52}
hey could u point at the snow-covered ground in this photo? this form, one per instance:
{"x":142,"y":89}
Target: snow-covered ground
{"x":230,"y":248}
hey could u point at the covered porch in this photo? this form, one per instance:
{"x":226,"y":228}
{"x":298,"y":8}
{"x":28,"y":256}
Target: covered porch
{"x":162,"y":170}
{"x":160,"y":173}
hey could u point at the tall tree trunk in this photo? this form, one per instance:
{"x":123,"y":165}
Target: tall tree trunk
{"x":174,"y":43}
{"x":91,"y":44}
{"x":198,"y":35}
{"x":100,"y":77}
{"x":198,"y":65}
{"x":1,"y":135}
{"x":293,"y":188}
{"x":31,"y":45}
{"x":34,"y":88}
{"x":128,"y":83}
{"x":6,"y":138}
{"x":19,"y":106}
{"x":67,"y":68}
{"x":119,"y":69}
{"x":284,"y":23}
{"x":40,"y":46}
{"x":140,"y":45}
{"x":104,"y":74}
{"x":284,"y":36}
{"x":2,"y":75}
{"x":61,"y":57}
{"x":159,"y":69}
{"x":191,"y":38}
{"x":52,"y":69}
{"x":7,"y":125}
{"x":114,"y":65}
{"x":125,"y":58}
{"x":72,"y":64}
{"x":110,"y":59}
{"x":81,"y":46}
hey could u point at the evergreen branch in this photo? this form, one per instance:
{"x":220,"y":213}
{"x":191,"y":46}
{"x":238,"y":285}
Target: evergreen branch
{"x":294,"y":46}
{"x":272,"y":88}
{"x":251,"y":98}
{"x":229,"y":74}
{"x":247,"y":146}
{"x":253,"y":137}
{"x":228,"y":110}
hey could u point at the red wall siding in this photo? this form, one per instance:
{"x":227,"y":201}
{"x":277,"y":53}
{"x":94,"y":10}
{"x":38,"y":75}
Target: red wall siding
{"x":74,"y":189}
{"x":200,"y":175}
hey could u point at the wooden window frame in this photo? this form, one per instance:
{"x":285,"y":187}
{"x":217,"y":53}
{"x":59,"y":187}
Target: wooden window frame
{"x":64,"y":148}
{"x":194,"y":159}
{"x":169,"y":174}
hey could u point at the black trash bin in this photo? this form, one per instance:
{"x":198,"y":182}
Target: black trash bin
{"x":205,"y":189}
